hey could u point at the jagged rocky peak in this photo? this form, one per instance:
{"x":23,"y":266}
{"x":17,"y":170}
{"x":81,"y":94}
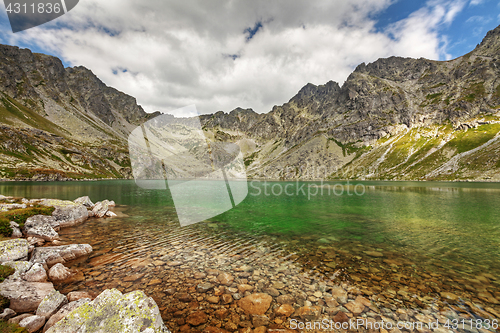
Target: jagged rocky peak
{"x":396,"y":68}
{"x":31,"y":77}
{"x":311,"y":92}
{"x":490,"y":45}
{"x":237,"y":119}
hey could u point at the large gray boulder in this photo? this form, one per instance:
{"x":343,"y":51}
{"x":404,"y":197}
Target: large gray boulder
{"x":35,"y":274}
{"x":59,"y":272}
{"x":51,"y":304}
{"x":51,"y":255}
{"x":25,"y":296}
{"x":64,"y":311}
{"x":45,"y":219}
{"x":32,"y":323}
{"x":13,"y":249}
{"x":112,"y":311}
{"x":70,"y":215}
{"x":40,"y":226}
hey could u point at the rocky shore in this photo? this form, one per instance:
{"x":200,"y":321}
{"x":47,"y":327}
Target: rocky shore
{"x":208,"y":281}
{"x":38,"y":260}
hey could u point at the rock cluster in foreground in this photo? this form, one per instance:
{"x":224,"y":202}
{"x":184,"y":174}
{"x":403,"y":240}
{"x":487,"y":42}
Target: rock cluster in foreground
{"x":37,"y":306}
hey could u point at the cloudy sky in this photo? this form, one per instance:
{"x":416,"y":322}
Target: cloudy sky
{"x":255,"y":54}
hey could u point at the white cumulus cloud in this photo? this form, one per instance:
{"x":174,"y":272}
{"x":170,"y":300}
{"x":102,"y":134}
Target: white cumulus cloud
{"x":169,"y":54}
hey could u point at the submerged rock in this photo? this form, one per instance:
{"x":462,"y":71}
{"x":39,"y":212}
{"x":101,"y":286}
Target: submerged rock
{"x":255,"y":304}
{"x":112,"y":311}
{"x":14,"y":249}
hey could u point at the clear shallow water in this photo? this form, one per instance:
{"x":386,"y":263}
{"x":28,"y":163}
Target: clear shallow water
{"x":417,"y":237}
{"x":451,"y":221}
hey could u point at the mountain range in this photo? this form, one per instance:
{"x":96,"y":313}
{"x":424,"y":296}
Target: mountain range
{"x":393,"y":119}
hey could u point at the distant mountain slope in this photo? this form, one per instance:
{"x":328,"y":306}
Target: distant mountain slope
{"x":395,"y":118}
{"x":61,"y":122}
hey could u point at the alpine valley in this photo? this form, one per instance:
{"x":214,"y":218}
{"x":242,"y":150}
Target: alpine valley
{"x":393,"y":119}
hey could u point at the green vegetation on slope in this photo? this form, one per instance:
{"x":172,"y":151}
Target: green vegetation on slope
{"x":473,"y":138}
{"x":10,"y":109}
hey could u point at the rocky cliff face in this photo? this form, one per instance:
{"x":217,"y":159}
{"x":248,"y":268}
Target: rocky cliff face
{"x":61,"y":122}
{"x":395,"y":118}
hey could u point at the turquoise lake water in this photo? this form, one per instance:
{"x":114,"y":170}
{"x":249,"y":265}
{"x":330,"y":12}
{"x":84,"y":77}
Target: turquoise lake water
{"x":449,"y":222}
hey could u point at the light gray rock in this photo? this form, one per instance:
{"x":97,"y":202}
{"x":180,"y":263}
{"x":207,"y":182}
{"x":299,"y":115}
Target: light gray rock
{"x":25,"y":296}
{"x":100,"y":208}
{"x":51,"y":255}
{"x":56,"y":203}
{"x":7,"y":314}
{"x":36,"y":241}
{"x":16,"y":233}
{"x":71,"y":215}
{"x":59,"y":273}
{"x":64,"y":311}
{"x":84,"y":201}
{"x":47,"y":219}
{"x":14,"y":224}
{"x":40,"y":226}
{"x":36,"y":274}
{"x":51,"y":304}
{"x":21,"y":267}
{"x":110,"y":214}
{"x":14,"y":249}
{"x":76,"y":295}
{"x":112,"y":311}
{"x":6,"y":207}
{"x":17,"y":319}
{"x":32,"y":323}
